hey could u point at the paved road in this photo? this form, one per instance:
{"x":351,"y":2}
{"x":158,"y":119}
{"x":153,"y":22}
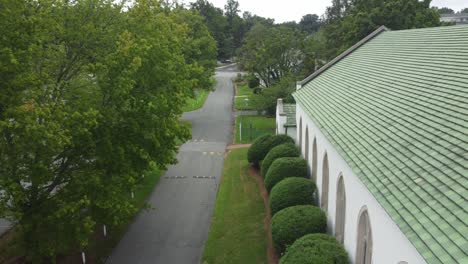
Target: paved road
{"x":176,"y":230}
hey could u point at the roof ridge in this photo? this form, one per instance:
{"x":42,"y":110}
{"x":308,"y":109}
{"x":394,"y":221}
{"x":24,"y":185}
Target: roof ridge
{"x":344,"y":54}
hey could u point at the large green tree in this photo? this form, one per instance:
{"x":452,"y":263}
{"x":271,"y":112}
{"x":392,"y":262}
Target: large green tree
{"x":47,"y":149}
{"x":272,"y":52}
{"x":90,"y":99}
{"x":251,"y":20}
{"x":347,"y":21}
{"x":217,"y":24}
{"x":445,"y":10}
{"x":199,"y":46}
{"x":235,"y":27}
{"x":310,"y":23}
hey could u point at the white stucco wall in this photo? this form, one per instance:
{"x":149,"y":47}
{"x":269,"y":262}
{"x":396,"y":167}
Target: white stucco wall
{"x":281,"y":119}
{"x":390,"y":245}
{"x":291,"y":131}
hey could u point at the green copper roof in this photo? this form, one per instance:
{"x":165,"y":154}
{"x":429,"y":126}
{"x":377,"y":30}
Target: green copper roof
{"x":290,"y":111}
{"x":396,"y":109}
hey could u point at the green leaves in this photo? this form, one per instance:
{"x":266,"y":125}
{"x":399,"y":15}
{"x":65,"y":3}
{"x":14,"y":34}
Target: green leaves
{"x":90,"y":100}
{"x":347,"y":22}
{"x":272,"y":52}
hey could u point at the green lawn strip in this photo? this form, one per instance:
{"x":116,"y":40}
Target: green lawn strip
{"x":243,"y":89}
{"x":260,"y":125}
{"x":237,"y":233}
{"x":197,"y":102}
{"x":243,"y":92}
{"x":241,"y":104}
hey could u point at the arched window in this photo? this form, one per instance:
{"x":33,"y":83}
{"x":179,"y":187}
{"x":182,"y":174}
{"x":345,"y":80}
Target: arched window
{"x":306,"y":151}
{"x":314,"y":160}
{"x":300,"y":133}
{"x":324,"y":198}
{"x":340,"y":210}
{"x":364,"y":239}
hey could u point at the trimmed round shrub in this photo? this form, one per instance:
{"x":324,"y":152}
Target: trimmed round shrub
{"x":315,"y":249}
{"x":263,"y":144}
{"x":256,"y":152}
{"x":281,"y":151}
{"x":283,"y":168}
{"x":291,"y":191}
{"x":294,"y":222}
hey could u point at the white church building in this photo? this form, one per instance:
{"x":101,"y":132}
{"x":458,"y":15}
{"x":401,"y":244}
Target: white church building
{"x":384,"y":127}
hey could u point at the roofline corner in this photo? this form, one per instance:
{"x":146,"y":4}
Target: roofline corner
{"x":344,"y":54}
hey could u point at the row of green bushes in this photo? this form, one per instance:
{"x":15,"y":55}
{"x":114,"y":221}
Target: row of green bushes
{"x":298,"y":227}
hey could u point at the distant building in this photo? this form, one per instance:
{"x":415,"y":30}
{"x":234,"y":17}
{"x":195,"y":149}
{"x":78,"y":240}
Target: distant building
{"x":286,"y":119}
{"x":384,"y":128}
{"x":458,"y":18}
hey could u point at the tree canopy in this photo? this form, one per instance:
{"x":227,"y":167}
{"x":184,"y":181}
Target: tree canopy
{"x":216,"y":23}
{"x":287,"y":52}
{"x":272,"y":52}
{"x":310,"y":23}
{"x":347,"y":22}
{"x":445,"y":10}
{"x":90,"y":101}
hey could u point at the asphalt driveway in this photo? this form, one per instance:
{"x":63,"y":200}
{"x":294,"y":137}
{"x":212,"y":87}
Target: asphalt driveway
{"x":177,"y":228}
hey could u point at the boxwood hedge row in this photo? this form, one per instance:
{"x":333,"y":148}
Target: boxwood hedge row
{"x":262,"y":145}
{"x":283,"y":168}
{"x":281,"y":151}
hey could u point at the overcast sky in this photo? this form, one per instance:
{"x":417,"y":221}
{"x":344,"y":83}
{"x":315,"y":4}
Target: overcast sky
{"x":288,"y":10}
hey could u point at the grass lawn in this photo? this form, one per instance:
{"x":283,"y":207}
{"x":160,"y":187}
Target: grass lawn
{"x":197,"y":102}
{"x":243,"y":92}
{"x":260,"y":125}
{"x":237,"y":233}
{"x":241,"y":104}
{"x":243,"y":89}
